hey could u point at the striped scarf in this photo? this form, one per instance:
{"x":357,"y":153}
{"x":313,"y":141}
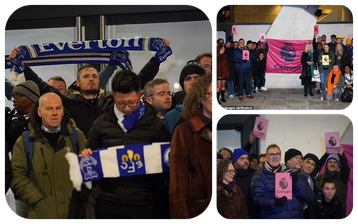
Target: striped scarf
{"x":119,"y":161}
{"x":111,"y":51}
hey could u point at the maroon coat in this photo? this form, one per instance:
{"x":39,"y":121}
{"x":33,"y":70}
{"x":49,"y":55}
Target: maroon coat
{"x":223,"y":68}
{"x":190,"y":168}
{"x":231,"y":206}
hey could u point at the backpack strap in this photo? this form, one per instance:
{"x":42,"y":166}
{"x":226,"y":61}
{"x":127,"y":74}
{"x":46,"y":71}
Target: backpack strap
{"x":74,"y":140}
{"x":29,"y":149}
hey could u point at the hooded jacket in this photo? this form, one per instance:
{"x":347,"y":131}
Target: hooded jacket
{"x":47,"y":189}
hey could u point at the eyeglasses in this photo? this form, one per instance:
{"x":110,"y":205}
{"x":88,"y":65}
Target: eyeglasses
{"x":16,"y":96}
{"x":210,"y":94}
{"x":274,"y":154}
{"x":161,"y":94}
{"x":231,"y":171}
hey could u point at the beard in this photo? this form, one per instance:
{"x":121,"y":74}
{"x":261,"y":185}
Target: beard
{"x":89,"y":91}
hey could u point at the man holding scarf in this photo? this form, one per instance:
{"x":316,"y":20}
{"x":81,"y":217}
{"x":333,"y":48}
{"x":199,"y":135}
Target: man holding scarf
{"x":126,"y":122}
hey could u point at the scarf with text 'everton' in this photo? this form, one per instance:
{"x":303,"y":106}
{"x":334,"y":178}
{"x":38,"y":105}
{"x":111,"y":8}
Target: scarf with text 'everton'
{"x":119,"y":161}
{"x":111,"y":51}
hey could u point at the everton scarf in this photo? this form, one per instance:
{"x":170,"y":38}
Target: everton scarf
{"x":119,"y":161}
{"x":111,"y":51}
{"x":130,"y":121}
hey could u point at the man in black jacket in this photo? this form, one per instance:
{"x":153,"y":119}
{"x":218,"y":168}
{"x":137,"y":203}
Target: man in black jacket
{"x":129,"y":121}
{"x":86,"y":101}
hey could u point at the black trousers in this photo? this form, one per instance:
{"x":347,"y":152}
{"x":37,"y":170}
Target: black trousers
{"x":107,"y":209}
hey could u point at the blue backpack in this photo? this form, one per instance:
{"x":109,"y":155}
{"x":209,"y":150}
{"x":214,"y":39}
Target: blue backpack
{"x":29,"y":146}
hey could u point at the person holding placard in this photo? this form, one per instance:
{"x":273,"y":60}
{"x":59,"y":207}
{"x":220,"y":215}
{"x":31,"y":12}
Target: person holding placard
{"x":326,"y":61}
{"x":263,"y":188}
{"x":337,"y":167}
{"x":243,"y":58}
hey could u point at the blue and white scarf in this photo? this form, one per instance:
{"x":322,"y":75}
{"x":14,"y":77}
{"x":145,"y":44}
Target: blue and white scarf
{"x":119,"y":161}
{"x":111,"y":51}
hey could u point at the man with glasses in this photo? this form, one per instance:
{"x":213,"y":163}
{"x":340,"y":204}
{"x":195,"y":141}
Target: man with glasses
{"x":157,"y":93}
{"x":129,"y":121}
{"x":263,"y":188}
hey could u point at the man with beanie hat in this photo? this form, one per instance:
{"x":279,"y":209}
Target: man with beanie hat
{"x":188,"y":76}
{"x":240,"y":160}
{"x":337,"y":167}
{"x":24,"y":97}
{"x":293,"y":160}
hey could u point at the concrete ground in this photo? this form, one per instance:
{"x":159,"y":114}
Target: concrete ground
{"x":282,"y":99}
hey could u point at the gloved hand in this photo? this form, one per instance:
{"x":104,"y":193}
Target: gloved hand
{"x":281,"y":201}
{"x":294,"y":176}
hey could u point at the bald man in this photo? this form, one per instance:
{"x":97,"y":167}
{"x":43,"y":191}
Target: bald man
{"x":45,"y":185}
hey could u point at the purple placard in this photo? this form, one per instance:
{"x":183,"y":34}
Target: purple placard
{"x":262,"y":37}
{"x":283,"y":185}
{"x":234,"y":30}
{"x":246,"y":55}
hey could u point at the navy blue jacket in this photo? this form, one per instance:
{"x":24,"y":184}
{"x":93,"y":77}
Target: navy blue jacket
{"x":237,"y":57}
{"x":263,"y":194}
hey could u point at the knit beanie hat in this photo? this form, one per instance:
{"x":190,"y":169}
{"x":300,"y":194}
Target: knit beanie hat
{"x":291,"y":153}
{"x":311,"y":156}
{"x":191,"y":67}
{"x":335,"y":157}
{"x":348,"y":41}
{"x":228,"y":42}
{"x":237,"y":154}
{"x":28,"y":89}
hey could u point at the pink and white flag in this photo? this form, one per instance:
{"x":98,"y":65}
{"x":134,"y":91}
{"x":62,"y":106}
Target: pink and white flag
{"x":284,"y":56}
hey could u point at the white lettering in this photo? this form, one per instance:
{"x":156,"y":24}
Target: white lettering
{"x":126,"y":42}
{"x":58,"y":45}
{"x":100,"y":44}
{"x":42,"y":48}
{"x":139,"y":164}
{"x":124,"y":165}
{"x":87,"y":45}
{"x":131,"y":168}
{"x":136,"y":42}
{"x":70,"y":45}
{"x":109,"y":43}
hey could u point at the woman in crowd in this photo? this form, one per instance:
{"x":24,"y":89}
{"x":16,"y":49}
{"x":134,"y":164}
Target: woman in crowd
{"x":326,"y":205}
{"x":307,"y":67}
{"x":191,"y":164}
{"x":342,"y":57}
{"x":230,"y":200}
{"x":223,"y":72}
{"x":334,"y":84}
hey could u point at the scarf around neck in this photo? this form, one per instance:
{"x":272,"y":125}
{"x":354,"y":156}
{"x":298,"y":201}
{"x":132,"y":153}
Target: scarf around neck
{"x":329,"y":83}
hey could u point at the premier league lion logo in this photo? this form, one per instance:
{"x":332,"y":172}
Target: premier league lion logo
{"x":260,"y":126}
{"x":283,"y":183}
{"x":288,"y":52}
{"x":332,"y":141}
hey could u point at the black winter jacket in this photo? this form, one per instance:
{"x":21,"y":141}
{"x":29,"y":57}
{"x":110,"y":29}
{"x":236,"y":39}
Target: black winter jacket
{"x":85,"y":112}
{"x":106,"y":132}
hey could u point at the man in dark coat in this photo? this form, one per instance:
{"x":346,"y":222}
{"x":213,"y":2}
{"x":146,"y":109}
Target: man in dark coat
{"x":240,"y":160}
{"x":126,"y":122}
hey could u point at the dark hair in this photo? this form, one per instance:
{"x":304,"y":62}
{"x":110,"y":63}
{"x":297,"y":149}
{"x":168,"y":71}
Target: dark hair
{"x":260,"y":156}
{"x":226,"y":150}
{"x":326,"y":180}
{"x":333,"y":35}
{"x":219,"y":47}
{"x":203,"y":55}
{"x":348,"y":66}
{"x":83,"y":68}
{"x":125,"y":82}
{"x":218,"y":40}
{"x":58,"y":78}
{"x":242,"y":39}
